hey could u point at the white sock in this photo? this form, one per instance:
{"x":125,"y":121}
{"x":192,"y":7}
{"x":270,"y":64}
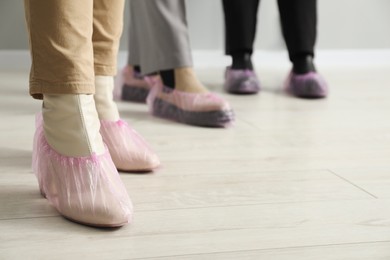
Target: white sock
{"x":71,"y":125}
{"x":105,"y":105}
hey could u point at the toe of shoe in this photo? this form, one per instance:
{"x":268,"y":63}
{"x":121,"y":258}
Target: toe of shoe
{"x":311,"y":89}
{"x":114,"y":212}
{"x":141,"y":162}
{"x":243,"y":87}
{"x":310,"y":85}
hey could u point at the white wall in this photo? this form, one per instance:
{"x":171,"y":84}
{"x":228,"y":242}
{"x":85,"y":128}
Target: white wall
{"x":205,"y":20}
{"x":343,"y":24}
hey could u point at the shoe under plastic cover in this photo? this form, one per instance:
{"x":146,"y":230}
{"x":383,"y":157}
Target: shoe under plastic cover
{"x":308,"y":85}
{"x":203,"y":109}
{"x":129,"y":151}
{"x":131,"y":86}
{"x":241,"y":81}
{"x":86,"y":190}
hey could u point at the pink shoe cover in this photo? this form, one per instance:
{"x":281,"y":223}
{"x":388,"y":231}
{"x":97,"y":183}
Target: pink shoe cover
{"x":308,"y":85}
{"x":128,"y":149}
{"x":87,"y":190}
{"x":239,"y":81}
{"x":130,"y":86}
{"x":205,"y":109}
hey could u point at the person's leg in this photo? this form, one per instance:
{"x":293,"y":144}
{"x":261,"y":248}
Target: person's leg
{"x":164,"y":48}
{"x":299,"y":27}
{"x":157,"y":44}
{"x":128,"y":149}
{"x":130,"y":85}
{"x":240,"y":32}
{"x":133,"y":56}
{"x":74,"y":170}
{"x":69,"y":70}
{"x":162,"y":34}
{"x":162,"y":43}
{"x":107,"y":29}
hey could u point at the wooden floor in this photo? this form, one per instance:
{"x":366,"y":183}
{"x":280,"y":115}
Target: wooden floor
{"x":293,"y":179}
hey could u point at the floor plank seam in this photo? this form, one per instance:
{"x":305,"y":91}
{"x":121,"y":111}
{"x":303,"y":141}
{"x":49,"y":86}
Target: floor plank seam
{"x":28,"y":218}
{"x":264,"y":249}
{"x":259,"y":204}
{"x":357,"y":186}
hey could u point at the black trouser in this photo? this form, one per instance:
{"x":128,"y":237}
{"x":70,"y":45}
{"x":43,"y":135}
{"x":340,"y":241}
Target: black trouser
{"x":298,"y":20}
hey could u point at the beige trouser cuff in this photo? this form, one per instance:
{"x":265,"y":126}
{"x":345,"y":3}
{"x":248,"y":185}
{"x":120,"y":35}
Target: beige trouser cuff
{"x":38,"y":88}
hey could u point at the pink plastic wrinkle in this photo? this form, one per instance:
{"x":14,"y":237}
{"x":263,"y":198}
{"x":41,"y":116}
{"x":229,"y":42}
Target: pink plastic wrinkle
{"x":201,"y":109}
{"x":310,"y":85}
{"x":241,"y":81}
{"x":85,"y":189}
{"x":128,"y":149}
{"x":130,"y":85}
{"x":187,"y":101}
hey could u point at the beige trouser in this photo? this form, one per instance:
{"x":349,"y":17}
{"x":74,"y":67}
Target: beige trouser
{"x":71,"y":41}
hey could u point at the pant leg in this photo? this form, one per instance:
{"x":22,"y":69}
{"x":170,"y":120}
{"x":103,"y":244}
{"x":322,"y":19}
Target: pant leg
{"x":162,"y":35}
{"x":240,"y":25}
{"x":299,"y":25}
{"x":134,"y":57}
{"x":60,"y":34}
{"x":107,"y":30}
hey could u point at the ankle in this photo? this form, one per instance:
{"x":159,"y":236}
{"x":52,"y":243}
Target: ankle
{"x":242,"y":60}
{"x":71,"y":125}
{"x":187,"y":81}
{"x":133,"y":72}
{"x":168,"y":78}
{"x":136,"y":68}
{"x":303,"y":64}
{"x":105,"y":105}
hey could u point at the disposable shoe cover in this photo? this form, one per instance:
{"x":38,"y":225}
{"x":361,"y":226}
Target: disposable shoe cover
{"x":202,"y":109}
{"x":241,"y":81}
{"x":128,"y":149}
{"x":87,"y":189}
{"x":130,"y":86}
{"x":309,"y":85}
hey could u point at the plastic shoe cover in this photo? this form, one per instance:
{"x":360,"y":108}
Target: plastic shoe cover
{"x":128,"y":149}
{"x":205,"y":109}
{"x":309,"y":85}
{"x":87,"y":190}
{"x":131,"y":86}
{"x":241,"y":81}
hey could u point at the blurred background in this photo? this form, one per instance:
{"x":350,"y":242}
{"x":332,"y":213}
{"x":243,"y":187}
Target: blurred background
{"x":343,"y":24}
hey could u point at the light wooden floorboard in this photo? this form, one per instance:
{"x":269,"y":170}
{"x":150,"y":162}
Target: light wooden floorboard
{"x":359,"y":251}
{"x":203,"y":230}
{"x":374,"y":180}
{"x":292,"y":179}
{"x":189,"y":191}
